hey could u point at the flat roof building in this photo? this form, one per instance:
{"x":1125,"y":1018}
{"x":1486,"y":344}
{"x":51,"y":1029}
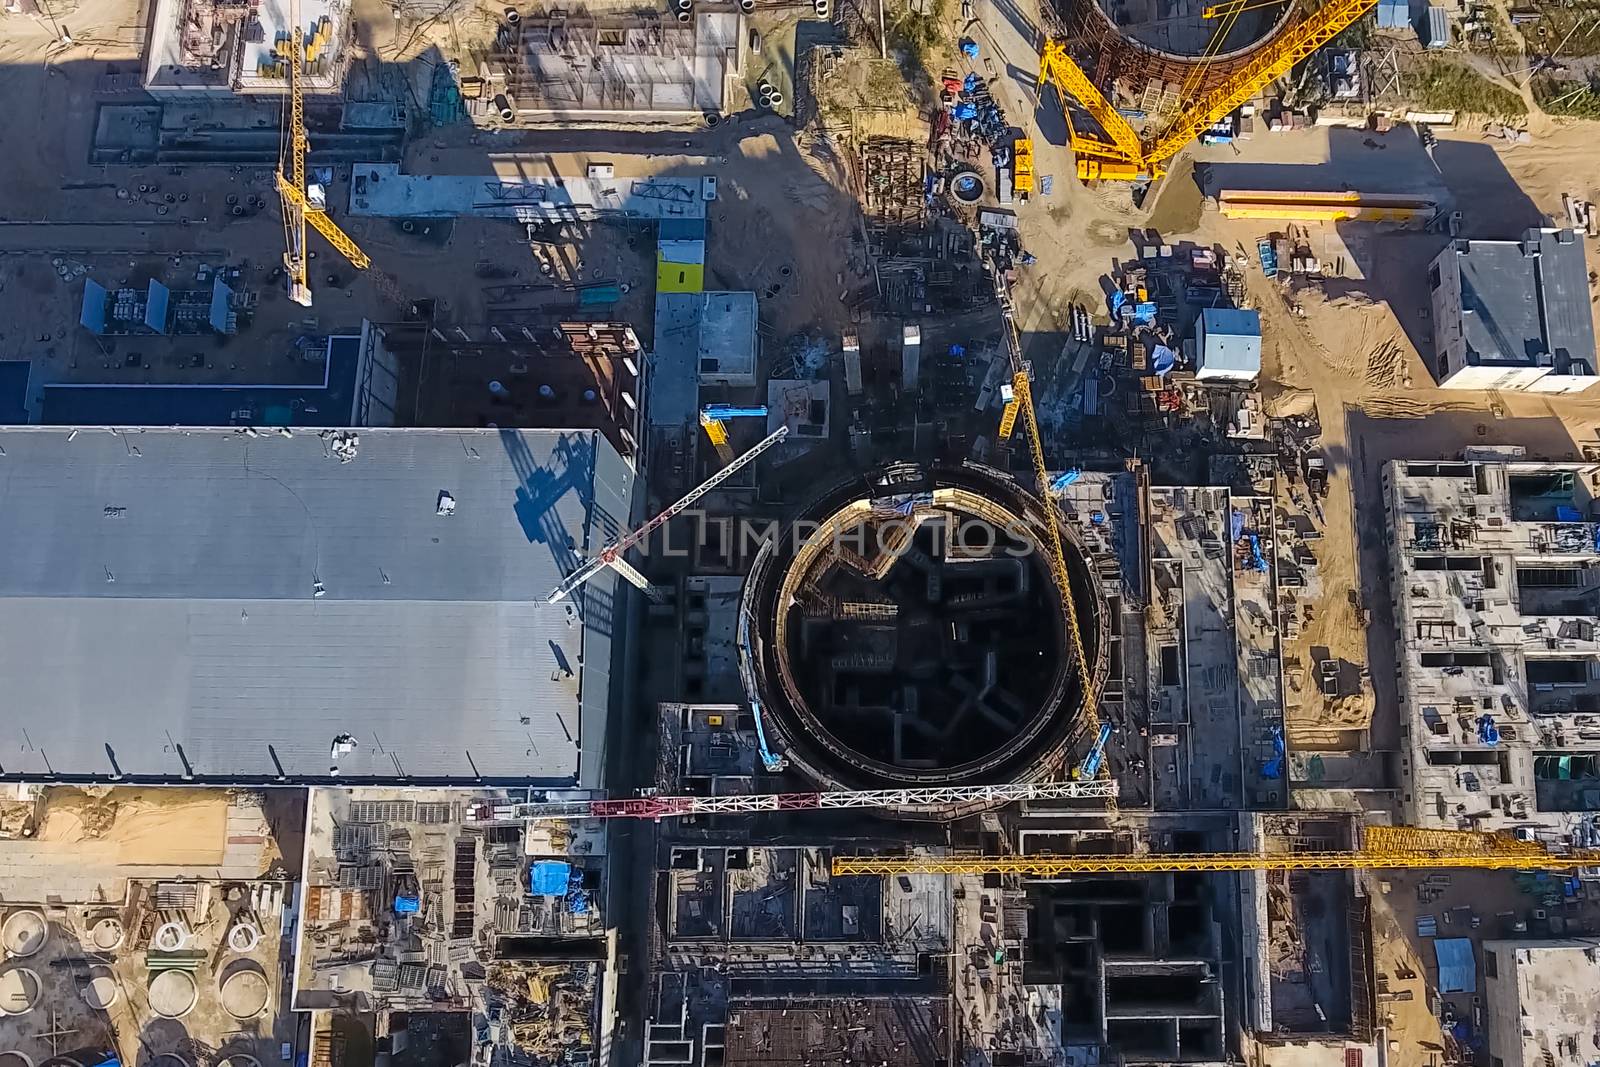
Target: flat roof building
{"x":1513,"y":314}
{"x":1542,"y":999}
{"x":1496,"y":574}
{"x":1227,"y":344}
{"x":230,"y":606}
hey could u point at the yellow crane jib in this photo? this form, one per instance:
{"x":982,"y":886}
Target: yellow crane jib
{"x":1128,"y":157}
{"x":1383,"y":848}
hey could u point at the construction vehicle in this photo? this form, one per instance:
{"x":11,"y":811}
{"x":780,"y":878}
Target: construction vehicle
{"x":660,"y":807}
{"x":298,"y":209}
{"x":612,"y":555}
{"x":1097,"y":754}
{"x":714,"y":420}
{"x":1116,"y":153}
{"x":1382,"y":848}
{"x":1022,"y":165}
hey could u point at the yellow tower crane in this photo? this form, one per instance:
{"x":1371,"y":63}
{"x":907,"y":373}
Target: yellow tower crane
{"x":1117,"y":153}
{"x":297,"y":209}
{"x":1021,"y":403}
{"x":1382,"y":847}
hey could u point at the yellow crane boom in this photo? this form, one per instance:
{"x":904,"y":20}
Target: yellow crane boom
{"x":1119,"y":160}
{"x":297,"y":210}
{"x":1022,"y":395}
{"x":1383,"y":847}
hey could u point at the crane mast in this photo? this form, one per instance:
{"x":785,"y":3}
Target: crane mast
{"x":1122,"y":160}
{"x":297,"y":209}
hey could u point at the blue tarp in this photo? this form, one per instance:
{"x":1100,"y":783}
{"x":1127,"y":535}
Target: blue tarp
{"x":1255,"y":551}
{"x":1145,"y":313}
{"x":1457,"y":971}
{"x":969,"y":48}
{"x":969,"y":84}
{"x":1273,"y":768}
{"x":549,"y":878}
{"x":1565,"y":513}
{"x":1162,"y":360}
{"x":1118,"y":298}
{"x":1488,"y":732}
{"x":407,"y":905}
{"x":1236,"y":524}
{"x":1065,"y":480}
{"x":963,"y":112}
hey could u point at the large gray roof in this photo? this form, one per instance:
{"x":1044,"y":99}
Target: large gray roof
{"x":157,"y":614}
{"x":1526,"y":303}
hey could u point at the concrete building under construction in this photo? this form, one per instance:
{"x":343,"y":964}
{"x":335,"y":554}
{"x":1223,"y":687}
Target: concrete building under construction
{"x":566,"y":63}
{"x":1496,"y":576}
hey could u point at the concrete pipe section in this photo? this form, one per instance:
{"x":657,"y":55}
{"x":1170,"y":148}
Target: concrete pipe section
{"x":921,"y":640}
{"x":967,"y":186}
{"x":106,"y":934}
{"x":244,"y":937}
{"x":19,"y":991}
{"x":173,"y":994}
{"x":101,"y":990}
{"x":23,"y":934}
{"x":244,"y":993}
{"x":170,"y":937}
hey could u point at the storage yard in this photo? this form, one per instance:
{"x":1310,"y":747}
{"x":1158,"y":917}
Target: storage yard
{"x":996,"y":532}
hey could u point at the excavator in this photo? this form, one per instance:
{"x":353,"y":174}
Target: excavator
{"x":1113,"y":151}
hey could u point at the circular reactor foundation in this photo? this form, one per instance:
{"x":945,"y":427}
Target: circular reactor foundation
{"x":19,"y":991}
{"x":173,"y":994}
{"x":23,"y":934}
{"x":916,"y":637}
{"x":13,"y":1058}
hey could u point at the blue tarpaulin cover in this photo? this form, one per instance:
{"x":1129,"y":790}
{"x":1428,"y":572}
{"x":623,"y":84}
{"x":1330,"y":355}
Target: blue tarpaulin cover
{"x":1273,"y":768}
{"x":969,"y":48}
{"x":407,"y":905}
{"x":550,"y":878}
{"x":1488,"y":732}
{"x":962,"y":112}
{"x":1457,"y":971}
{"x":1144,"y":313}
{"x":1236,"y":524}
{"x":1567,"y":513}
{"x":1066,"y":479}
{"x":1162,"y":360}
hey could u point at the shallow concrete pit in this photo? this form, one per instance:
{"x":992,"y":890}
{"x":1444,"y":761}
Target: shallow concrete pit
{"x":23,"y":934}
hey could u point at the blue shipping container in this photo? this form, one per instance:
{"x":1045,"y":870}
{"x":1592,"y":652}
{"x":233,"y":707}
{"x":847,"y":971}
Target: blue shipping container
{"x":1436,"y":28}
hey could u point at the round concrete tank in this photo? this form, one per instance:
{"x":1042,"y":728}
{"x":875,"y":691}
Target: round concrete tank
{"x":244,"y":993}
{"x":173,"y":994}
{"x":921,"y":640}
{"x":19,"y":991}
{"x":106,"y":934}
{"x":1173,"y":29}
{"x":14,"y":1058}
{"x":101,"y":990}
{"x":23,"y":934}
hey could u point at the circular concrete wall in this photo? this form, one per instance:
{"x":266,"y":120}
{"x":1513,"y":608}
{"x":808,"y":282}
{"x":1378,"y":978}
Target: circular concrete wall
{"x":244,"y":993}
{"x":173,"y":994}
{"x":100,"y":991}
{"x":19,"y":991}
{"x":106,"y":934}
{"x":24,"y":933}
{"x":13,"y":1058}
